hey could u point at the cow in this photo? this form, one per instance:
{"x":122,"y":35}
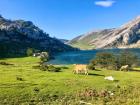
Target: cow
{"x":80,"y":69}
{"x":124,"y":68}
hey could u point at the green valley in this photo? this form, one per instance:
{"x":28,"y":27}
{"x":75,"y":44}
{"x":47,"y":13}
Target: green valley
{"x":21,"y":84}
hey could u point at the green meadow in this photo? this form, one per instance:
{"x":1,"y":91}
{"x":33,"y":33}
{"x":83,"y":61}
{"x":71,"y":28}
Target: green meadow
{"x":21,"y":84}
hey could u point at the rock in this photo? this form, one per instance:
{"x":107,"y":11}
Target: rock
{"x":110,"y":78}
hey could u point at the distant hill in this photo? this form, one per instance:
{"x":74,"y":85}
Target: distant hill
{"x":126,"y":36}
{"x":18,"y":35}
{"x":84,"y":41}
{"x":64,"y":40}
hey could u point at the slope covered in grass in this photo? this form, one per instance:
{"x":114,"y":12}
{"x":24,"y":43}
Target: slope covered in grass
{"x":84,"y":41}
{"x":64,"y":88}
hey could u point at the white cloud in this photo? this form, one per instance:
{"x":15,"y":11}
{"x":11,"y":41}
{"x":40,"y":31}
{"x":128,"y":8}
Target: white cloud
{"x":105,"y":3}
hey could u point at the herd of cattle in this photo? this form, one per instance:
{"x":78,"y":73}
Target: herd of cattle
{"x":83,"y":69}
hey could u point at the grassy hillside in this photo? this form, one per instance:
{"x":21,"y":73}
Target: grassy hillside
{"x":85,"y":41}
{"x":65,"y":88}
{"x":83,"y":46}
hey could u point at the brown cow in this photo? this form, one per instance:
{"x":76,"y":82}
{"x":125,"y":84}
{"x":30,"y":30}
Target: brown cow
{"x":80,"y":69}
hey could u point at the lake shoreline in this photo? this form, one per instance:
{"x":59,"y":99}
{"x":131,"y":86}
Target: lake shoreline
{"x":84,"y":56}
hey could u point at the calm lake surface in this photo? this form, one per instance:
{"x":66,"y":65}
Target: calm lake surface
{"x":83,"y":57}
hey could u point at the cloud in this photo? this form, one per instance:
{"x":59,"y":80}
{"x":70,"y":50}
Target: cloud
{"x":103,"y":3}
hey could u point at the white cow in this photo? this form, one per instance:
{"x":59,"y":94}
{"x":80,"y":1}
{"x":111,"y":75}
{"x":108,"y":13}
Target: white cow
{"x":126,"y":67}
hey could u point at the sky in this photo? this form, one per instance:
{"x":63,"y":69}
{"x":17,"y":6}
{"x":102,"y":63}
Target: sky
{"x":67,"y":19}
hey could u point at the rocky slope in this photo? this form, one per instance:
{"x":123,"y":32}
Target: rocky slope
{"x":126,"y":36}
{"x":16,"y":36}
{"x":84,"y":41}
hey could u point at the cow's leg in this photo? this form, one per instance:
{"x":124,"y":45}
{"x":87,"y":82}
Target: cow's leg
{"x":80,"y":71}
{"x":77,"y":71}
{"x":86,"y":72}
{"x":74,"y":71}
{"x":121,"y":69}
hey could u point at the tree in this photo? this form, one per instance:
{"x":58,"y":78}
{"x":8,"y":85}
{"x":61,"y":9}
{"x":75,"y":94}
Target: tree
{"x":111,"y":61}
{"x":128,"y":58}
{"x":4,"y":50}
{"x":91,"y":65}
{"x":105,"y":60}
{"x":44,"y":57}
{"x":29,"y":52}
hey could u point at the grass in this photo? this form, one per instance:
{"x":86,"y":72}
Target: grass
{"x":83,"y":46}
{"x":85,"y":42}
{"x":35,"y":87}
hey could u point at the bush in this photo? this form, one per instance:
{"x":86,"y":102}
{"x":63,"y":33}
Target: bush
{"x":45,"y":67}
{"x":36,"y":89}
{"x":91,"y":66}
{"x":19,"y":78}
{"x":51,"y":68}
{"x":29,"y":52}
{"x":5,"y":63}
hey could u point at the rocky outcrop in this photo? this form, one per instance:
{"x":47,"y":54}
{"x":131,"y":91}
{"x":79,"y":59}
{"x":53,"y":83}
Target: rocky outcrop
{"x":126,"y":36}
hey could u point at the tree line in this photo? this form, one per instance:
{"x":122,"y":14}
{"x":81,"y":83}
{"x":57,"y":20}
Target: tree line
{"x":112,"y":61}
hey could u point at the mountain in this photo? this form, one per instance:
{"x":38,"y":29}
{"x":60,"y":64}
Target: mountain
{"x":18,"y":35}
{"x":84,"y":41}
{"x":126,"y":36}
{"x":64,"y":40}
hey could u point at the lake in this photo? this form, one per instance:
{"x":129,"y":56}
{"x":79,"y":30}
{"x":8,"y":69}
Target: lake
{"x":83,"y":57}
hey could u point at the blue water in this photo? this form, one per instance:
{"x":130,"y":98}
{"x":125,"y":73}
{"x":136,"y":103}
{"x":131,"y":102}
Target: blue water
{"x":84,"y":57}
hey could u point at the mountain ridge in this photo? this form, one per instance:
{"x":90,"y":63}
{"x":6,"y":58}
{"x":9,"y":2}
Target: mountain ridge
{"x":18,"y":35}
{"x":126,"y":36}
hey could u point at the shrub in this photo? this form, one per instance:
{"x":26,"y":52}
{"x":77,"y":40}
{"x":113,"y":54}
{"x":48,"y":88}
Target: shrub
{"x":46,"y":67}
{"x":36,"y":89}
{"x":29,"y":52}
{"x":36,"y":67}
{"x":43,"y":67}
{"x":91,"y":66}
{"x":19,"y":78}
{"x":5,"y":63}
{"x":51,"y":68}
